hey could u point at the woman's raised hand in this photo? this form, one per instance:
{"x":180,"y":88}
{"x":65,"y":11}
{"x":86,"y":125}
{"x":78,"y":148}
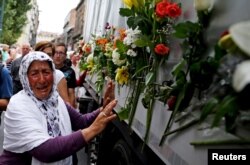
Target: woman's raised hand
{"x":109,"y":94}
{"x":105,"y":116}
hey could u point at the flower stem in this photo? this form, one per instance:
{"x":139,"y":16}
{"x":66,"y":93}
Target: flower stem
{"x":135,"y":101}
{"x":182,"y":127}
{"x":222,"y":142}
{"x":148,"y":123}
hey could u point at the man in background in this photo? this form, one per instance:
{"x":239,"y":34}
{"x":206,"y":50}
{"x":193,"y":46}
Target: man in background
{"x":6,"y":88}
{"x":59,"y":58}
{"x":14,"y":68}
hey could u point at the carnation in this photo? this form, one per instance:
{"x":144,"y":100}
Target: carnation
{"x":132,"y":36}
{"x":131,"y":53}
{"x":116,"y":58}
{"x":90,"y":58}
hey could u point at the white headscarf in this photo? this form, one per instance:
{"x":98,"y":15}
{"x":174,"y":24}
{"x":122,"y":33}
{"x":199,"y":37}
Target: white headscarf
{"x":48,"y":106}
{"x":29,"y":122}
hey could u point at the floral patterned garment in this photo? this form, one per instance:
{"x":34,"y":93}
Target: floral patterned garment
{"x":48,"y":107}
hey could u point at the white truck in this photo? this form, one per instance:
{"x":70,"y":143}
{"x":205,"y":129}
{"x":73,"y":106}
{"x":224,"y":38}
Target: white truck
{"x":123,"y":144}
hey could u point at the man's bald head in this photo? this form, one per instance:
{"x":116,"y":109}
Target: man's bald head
{"x":25,"y":49}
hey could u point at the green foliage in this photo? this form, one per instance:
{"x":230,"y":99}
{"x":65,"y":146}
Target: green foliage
{"x":14,"y":19}
{"x":83,"y":66}
{"x":228,"y":106}
{"x":121,"y":47}
{"x":143,"y":42}
{"x":208,"y":108}
{"x":141,"y":17}
{"x":186,"y":29}
{"x":125,"y":12}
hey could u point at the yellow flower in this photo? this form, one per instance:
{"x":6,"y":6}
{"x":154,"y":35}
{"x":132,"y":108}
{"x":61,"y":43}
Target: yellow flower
{"x":135,"y":3}
{"x":122,"y":75}
{"x":226,"y":42}
{"x":90,"y":66}
{"x":128,"y":3}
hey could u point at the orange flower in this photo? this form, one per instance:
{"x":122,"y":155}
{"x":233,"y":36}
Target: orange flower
{"x":101,"y":41}
{"x":122,"y":33}
{"x":161,"y":49}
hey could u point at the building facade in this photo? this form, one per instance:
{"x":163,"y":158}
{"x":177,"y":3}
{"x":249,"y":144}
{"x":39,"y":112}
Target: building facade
{"x":46,"y":36}
{"x":78,"y":31}
{"x":68,"y":29}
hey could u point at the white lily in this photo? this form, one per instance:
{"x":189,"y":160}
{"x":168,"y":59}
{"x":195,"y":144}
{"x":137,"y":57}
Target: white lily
{"x":241,"y":35}
{"x":241,"y":76}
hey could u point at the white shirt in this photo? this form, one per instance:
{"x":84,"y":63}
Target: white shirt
{"x":59,"y":76}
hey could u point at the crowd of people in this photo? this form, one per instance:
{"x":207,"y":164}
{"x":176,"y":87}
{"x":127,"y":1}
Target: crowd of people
{"x":37,"y":91}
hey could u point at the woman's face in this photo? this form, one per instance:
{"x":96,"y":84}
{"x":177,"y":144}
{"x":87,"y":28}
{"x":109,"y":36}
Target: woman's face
{"x":40,"y":76}
{"x":48,"y":51}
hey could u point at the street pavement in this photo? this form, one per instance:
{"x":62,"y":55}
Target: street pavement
{"x":81,"y":155}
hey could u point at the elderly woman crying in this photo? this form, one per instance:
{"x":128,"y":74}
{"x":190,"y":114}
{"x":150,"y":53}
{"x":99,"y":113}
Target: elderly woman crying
{"x":40,"y":128}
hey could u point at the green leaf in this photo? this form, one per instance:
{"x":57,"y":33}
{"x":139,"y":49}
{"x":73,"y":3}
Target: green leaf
{"x":180,"y":79}
{"x":227,"y":105}
{"x":219,"y":52}
{"x":208,"y":108}
{"x":139,"y":70}
{"x":178,"y":67}
{"x":195,"y":67}
{"x":186,"y":29}
{"x":125,"y":12}
{"x":149,"y":78}
{"x":123,"y":114}
{"x":141,"y":43}
{"x":144,"y":41}
{"x":130,"y":22}
{"x":121,"y":47}
{"x":83,"y":66}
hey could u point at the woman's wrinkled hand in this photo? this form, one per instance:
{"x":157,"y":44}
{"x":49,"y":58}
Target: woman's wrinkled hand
{"x":105,"y":116}
{"x":109,"y":94}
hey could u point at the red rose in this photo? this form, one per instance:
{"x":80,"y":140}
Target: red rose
{"x":171,"y":102}
{"x":160,"y":10}
{"x":161,"y":49}
{"x":173,"y":10}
